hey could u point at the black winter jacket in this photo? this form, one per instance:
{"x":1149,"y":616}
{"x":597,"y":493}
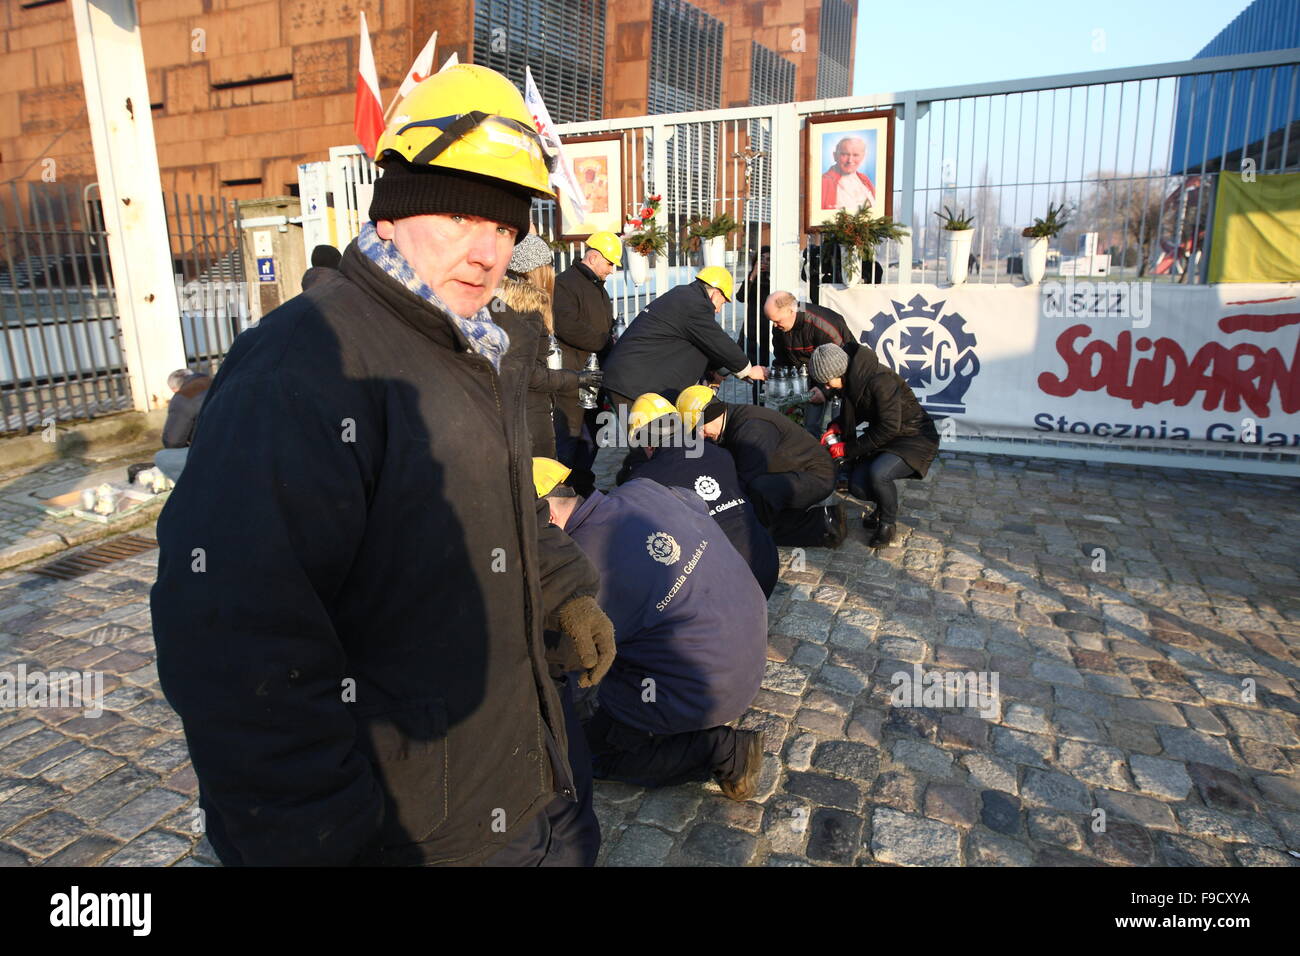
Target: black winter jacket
{"x":183,"y":411}
{"x":584,"y":316}
{"x":814,"y":325}
{"x":763,"y":441}
{"x":352,"y":585}
{"x":670,"y":345}
{"x":545,"y":385}
{"x":875,"y":393}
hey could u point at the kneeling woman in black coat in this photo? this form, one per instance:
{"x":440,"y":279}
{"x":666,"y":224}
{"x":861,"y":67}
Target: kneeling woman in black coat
{"x":900,"y":440}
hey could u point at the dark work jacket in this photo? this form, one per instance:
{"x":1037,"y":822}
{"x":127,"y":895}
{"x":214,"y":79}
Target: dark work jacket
{"x":687,"y":611}
{"x":875,"y":393}
{"x":670,"y":345}
{"x":183,"y":411}
{"x":763,"y":441}
{"x":545,"y":385}
{"x":712,"y":476}
{"x":584,"y":317}
{"x":814,"y":325}
{"x":353,"y":580}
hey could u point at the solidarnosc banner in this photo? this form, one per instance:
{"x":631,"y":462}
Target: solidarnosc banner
{"x":1118,"y":362}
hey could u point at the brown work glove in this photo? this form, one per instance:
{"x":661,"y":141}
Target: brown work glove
{"x":592,"y":635}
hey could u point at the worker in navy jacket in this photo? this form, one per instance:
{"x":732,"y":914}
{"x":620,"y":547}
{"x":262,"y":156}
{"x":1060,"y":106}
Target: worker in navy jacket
{"x":691,"y":627}
{"x":704,"y":469}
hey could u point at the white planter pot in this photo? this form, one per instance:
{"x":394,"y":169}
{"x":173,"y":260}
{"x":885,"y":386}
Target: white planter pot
{"x":1035,"y":259}
{"x":715,"y":251}
{"x":956,"y":250}
{"x":638,"y":266}
{"x":850,"y":266}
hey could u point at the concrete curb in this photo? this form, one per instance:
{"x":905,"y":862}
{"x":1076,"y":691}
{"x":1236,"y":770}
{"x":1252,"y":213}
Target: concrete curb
{"x":76,"y":440}
{"x":34,"y":549}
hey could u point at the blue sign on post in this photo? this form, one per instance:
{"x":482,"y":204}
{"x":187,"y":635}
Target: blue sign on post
{"x":265,"y":269}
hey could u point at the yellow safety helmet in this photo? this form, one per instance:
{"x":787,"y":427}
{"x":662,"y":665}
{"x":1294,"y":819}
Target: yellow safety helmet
{"x":608,"y":245}
{"x":472,"y":119}
{"x":691,"y":402}
{"x":547,"y":473}
{"x":719,"y":278}
{"x":646,"y":409}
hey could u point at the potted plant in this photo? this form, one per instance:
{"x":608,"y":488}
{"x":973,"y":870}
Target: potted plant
{"x":857,"y":234}
{"x":957,"y":235}
{"x":710,"y":234}
{"x":1037,"y":237}
{"x":642,"y":237}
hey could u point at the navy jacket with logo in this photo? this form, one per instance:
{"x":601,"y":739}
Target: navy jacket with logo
{"x":712,"y":476}
{"x":688,"y":615}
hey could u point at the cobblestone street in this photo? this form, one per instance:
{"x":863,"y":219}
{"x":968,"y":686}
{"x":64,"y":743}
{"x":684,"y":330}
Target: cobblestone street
{"x":1143,"y":626}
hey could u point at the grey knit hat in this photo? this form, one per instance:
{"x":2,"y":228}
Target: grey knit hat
{"x":827,"y":362}
{"x":531,"y":252}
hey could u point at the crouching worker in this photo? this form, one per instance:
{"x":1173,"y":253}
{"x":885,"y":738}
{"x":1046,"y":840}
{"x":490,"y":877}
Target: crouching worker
{"x":786,"y":473}
{"x":691,"y":627}
{"x":900,"y":441}
{"x":677,"y":458}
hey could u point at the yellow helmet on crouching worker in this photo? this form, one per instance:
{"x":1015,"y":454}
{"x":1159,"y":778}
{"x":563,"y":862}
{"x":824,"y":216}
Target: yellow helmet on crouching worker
{"x":472,"y":119}
{"x":719,"y":278}
{"x":608,"y":245}
{"x":648,"y":408}
{"x":547,"y":473}
{"x":691,"y":402}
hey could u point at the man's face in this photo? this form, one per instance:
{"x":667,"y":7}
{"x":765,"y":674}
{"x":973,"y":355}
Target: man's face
{"x":848,"y":156}
{"x":783,"y":319}
{"x":717,"y":298}
{"x":598,"y":264}
{"x":711,"y":430}
{"x":461,"y":258}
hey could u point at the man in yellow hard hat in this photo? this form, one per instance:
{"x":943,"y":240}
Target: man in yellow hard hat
{"x":675,"y":340}
{"x":354,"y":583}
{"x":584,"y":318}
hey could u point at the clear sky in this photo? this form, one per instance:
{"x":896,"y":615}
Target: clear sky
{"x":918,"y":44}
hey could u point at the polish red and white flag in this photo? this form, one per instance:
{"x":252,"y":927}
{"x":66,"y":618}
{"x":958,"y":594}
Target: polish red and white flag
{"x":368,"y":111}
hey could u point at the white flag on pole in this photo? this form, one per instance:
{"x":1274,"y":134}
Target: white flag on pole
{"x":451,"y":61}
{"x":420,"y":70}
{"x":573,"y":204}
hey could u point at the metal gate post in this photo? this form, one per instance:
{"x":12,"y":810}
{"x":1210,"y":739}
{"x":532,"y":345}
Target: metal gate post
{"x":126,"y":160}
{"x":784,"y":185}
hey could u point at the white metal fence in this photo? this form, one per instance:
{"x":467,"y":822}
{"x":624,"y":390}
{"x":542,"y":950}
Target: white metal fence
{"x":1134,"y":154}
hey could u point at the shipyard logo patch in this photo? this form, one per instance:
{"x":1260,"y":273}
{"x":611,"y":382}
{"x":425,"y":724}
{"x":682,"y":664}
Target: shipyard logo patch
{"x":663,"y":547}
{"x":707,"y":488}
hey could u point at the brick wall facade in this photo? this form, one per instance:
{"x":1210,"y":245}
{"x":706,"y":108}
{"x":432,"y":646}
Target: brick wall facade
{"x":213,"y":128}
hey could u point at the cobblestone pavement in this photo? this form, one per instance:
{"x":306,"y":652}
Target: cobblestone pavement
{"x":27,"y":532}
{"x":1124,"y":733}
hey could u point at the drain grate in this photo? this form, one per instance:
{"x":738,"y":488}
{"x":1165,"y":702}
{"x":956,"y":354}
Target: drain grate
{"x":100,"y":556}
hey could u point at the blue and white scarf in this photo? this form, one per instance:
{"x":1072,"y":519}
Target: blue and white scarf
{"x":484,"y":336}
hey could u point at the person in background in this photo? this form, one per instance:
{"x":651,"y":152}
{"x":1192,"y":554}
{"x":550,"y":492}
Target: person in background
{"x":900,"y":441}
{"x":692,"y":637}
{"x":584,"y":321}
{"x":323,"y":257}
{"x":786,"y":474}
{"x":528,"y":288}
{"x":189,"y":389}
{"x":675,"y":340}
{"x":796,"y":332}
